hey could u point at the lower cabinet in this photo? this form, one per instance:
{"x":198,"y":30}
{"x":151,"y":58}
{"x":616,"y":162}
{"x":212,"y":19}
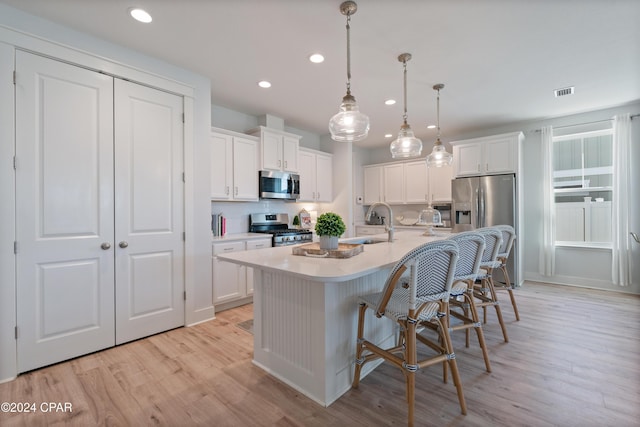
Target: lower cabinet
{"x":233,"y":283}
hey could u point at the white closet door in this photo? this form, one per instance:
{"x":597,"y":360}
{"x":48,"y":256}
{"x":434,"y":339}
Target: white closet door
{"x":149,"y":208}
{"x":64,"y":220}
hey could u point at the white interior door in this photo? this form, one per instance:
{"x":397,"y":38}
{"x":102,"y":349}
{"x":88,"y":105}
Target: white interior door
{"x":64,"y":187}
{"x":149,"y":208}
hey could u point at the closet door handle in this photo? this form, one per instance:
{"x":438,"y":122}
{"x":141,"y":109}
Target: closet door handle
{"x":123,"y":244}
{"x":105,"y":246}
{"x":635,"y":237}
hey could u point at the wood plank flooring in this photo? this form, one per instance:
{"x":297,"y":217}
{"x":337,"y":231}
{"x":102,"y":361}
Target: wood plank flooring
{"x":573,"y":360}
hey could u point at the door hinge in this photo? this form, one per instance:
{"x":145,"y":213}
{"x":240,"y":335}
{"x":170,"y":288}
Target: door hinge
{"x":184,"y":178}
{"x":15,"y":246}
{"x":183,"y":118}
{"x":184,"y":236}
{"x":184,"y":295}
{"x":16,"y":332}
{"x":14,"y":77}
{"x":14,"y":163}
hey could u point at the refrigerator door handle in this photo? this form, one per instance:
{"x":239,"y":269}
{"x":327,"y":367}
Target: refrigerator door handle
{"x":480,"y":208}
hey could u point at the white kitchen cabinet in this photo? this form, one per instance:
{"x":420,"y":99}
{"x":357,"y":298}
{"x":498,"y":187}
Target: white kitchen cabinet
{"x":234,"y":166}
{"x":407,"y":183}
{"x":393,"y":178}
{"x":229,"y":280}
{"x":316,"y":174}
{"x":416,"y":185}
{"x":440,"y":183}
{"x":487,"y":155}
{"x":233,"y":283}
{"x":278,"y":149}
{"x":252,"y":245}
{"x":372,"y":184}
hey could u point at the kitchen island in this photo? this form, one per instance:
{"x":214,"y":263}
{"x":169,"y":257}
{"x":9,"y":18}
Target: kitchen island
{"x":305,"y":311}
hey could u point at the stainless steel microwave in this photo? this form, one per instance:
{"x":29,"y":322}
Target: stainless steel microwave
{"x":279,"y":185}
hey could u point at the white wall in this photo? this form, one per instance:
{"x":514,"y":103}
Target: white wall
{"x":21,"y":29}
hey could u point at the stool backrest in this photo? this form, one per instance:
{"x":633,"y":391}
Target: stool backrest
{"x":493,"y":242}
{"x":471,"y":247}
{"x":508,"y":237}
{"x":432,"y":268}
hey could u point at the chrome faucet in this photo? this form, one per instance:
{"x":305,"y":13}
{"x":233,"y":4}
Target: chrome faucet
{"x":387,"y":227}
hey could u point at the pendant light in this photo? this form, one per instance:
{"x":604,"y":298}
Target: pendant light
{"x":349,"y":124}
{"x":406,"y":145}
{"x":439,"y":156}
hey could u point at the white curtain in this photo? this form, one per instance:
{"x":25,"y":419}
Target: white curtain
{"x":620,"y":240}
{"x":547,"y":260}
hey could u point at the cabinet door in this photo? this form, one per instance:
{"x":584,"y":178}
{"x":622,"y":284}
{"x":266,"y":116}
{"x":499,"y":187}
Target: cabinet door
{"x":290,"y":154}
{"x":393,"y":177}
{"x":440,"y":183}
{"x":245,"y":169}
{"x":324,"y":178}
{"x":499,"y":156}
{"x":271,"y":151}
{"x":229,"y":279}
{"x":221,"y":166}
{"x":252,"y":245}
{"x":415,"y":182}
{"x":307,"y":163}
{"x":372,"y":184}
{"x":467,"y":159}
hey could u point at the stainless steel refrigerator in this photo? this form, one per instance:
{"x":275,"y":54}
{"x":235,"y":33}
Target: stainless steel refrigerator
{"x":484,"y":201}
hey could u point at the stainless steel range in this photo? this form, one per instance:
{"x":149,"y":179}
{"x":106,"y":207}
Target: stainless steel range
{"x":278,"y":225}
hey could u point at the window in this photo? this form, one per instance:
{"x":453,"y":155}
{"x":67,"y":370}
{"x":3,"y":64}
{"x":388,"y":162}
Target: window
{"x":583,"y":184}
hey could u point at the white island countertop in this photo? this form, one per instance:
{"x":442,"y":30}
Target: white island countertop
{"x":374,"y":257}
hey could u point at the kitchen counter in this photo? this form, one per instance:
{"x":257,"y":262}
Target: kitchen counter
{"x":305,"y":311}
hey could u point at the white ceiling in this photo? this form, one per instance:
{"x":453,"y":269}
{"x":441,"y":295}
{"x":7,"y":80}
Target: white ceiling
{"x":500,"y":60}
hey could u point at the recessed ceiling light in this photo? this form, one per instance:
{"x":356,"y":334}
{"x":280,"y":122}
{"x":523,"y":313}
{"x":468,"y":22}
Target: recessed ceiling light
{"x":264,"y":84}
{"x":140,"y":15}
{"x":388,"y":135}
{"x":390,"y":101}
{"x":316,"y":58}
{"x":431,"y":126}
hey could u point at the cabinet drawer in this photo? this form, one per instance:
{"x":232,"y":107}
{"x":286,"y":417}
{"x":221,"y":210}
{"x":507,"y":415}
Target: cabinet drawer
{"x":258,"y":244}
{"x":225,"y":248}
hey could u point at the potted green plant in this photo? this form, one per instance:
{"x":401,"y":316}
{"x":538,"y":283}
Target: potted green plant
{"x":329,"y":227}
{"x":296,"y":222}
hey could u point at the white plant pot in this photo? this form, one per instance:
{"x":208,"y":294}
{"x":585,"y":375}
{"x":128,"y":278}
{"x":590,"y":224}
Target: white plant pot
{"x":329,"y":242}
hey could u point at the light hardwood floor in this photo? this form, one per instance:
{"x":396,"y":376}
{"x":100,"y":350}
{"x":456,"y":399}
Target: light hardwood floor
{"x":572,"y":360}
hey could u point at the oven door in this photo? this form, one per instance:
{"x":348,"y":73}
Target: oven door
{"x":279,"y":185}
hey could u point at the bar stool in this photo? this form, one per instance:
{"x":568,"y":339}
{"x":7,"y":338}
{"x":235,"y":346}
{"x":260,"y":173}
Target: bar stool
{"x":508,"y":238}
{"x":484,"y":291}
{"x":471,"y":247}
{"x":423,"y":300}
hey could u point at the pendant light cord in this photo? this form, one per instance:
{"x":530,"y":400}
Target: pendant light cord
{"x":404,"y":116}
{"x":348,"y":54}
{"x":438,"y":114}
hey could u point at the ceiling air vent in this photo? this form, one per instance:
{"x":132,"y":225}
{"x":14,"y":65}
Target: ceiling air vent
{"x":564,"y":91}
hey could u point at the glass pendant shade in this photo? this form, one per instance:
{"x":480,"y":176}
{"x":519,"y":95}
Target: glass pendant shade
{"x":406,"y":145}
{"x":349,"y":124}
{"x":439,"y":156}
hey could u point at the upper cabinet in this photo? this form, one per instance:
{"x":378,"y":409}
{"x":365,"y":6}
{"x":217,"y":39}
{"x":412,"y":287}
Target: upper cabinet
{"x":278,"y":149}
{"x":234,"y":166}
{"x":487,"y":155}
{"x":316,"y":175}
{"x":373,"y":184}
{"x":406,"y":183}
